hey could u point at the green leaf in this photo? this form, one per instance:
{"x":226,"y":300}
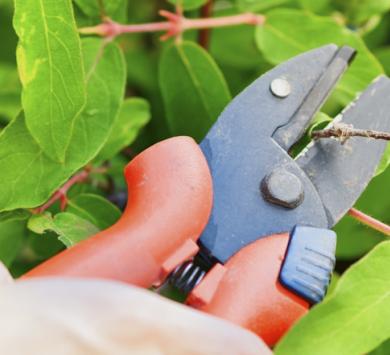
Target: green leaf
{"x":115,"y":9}
{"x":40,"y":223}
{"x":383,"y":55}
{"x":94,"y":208}
{"x":188,"y":4}
{"x":360,"y":305}
{"x":51,"y":71}
{"x":288,"y":32}
{"x":8,"y":36}
{"x":260,"y":5}
{"x":12,"y":233}
{"x":316,"y":6}
{"x":193,"y":88}
{"x":133,"y":116}
{"x":333,"y":283}
{"x":106,"y":79}
{"x":44,"y":246}
{"x":355,"y":239}
{"x":319,"y":122}
{"x":362,"y":10}
{"x":385,"y":161}
{"x":234,"y":46}
{"x":9,"y":91}
{"x":28,"y":176}
{"x":70,"y":228}
{"x":383,"y":349}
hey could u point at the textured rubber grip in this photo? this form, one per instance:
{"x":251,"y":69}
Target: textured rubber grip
{"x":170,"y":198}
{"x":246,"y":290}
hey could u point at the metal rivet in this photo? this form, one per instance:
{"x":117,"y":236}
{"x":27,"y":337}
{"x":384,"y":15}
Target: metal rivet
{"x":280,"y":87}
{"x":282,"y":188}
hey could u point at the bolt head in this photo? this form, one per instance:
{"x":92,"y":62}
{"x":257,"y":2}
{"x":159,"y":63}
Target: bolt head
{"x":280,"y":87}
{"x":282,"y":188}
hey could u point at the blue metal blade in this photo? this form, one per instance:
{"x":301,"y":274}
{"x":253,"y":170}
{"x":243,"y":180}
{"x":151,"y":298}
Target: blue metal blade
{"x":240,"y":152}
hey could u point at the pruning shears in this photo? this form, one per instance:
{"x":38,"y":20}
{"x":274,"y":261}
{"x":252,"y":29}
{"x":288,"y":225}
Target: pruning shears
{"x":236,"y":222}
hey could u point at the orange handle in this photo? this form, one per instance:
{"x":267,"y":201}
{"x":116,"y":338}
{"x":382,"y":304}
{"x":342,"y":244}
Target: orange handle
{"x":170,"y":198}
{"x":247,"y":292}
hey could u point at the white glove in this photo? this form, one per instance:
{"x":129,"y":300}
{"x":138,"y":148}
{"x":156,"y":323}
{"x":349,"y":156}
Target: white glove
{"x":75,"y":316}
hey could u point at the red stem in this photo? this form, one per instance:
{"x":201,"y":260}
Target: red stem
{"x":370,"y":221}
{"x":60,"y":194}
{"x":175,"y":25}
{"x":204,"y":34}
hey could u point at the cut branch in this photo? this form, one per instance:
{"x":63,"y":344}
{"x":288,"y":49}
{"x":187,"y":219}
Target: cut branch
{"x":344,"y":132}
{"x":370,"y":221}
{"x":175,"y":25}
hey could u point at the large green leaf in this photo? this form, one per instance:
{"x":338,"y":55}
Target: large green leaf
{"x":188,"y":4}
{"x":355,"y":239}
{"x":193,"y":88}
{"x":12,"y":233}
{"x":354,"y":319}
{"x":51,"y":71}
{"x":385,"y":161}
{"x":95,"y":209}
{"x":115,"y":9}
{"x":362,"y":10}
{"x":28,"y":176}
{"x":9,"y":91}
{"x":134,"y":114}
{"x":106,"y":77}
{"x":234,"y":46}
{"x":383,"y":349}
{"x":69,"y":227}
{"x":8,"y":36}
{"x":288,"y":32}
{"x":260,"y":5}
{"x":317,"y":6}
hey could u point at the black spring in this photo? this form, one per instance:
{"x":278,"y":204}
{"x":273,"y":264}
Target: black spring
{"x":186,"y":276}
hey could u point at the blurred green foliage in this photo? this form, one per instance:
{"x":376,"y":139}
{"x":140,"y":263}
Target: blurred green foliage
{"x":168,"y":89}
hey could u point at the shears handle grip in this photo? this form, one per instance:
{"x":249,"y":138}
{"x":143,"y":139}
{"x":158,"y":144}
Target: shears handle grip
{"x":269,"y":284}
{"x":170,"y":198}
{"x":246,"y":290}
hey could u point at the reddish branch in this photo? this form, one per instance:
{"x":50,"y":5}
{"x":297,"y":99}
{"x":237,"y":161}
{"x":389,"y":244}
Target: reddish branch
{"x":204,"y":34}
{"x":61,"y":193}
{"x":175,"y":25}
{"x":370,"y":221}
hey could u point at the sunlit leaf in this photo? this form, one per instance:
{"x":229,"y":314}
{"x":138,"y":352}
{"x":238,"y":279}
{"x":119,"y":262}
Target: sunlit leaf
{"x":51,"y":71}
{"x":193,"y":88}
{"x":134,"y":114}
{"x":28,"y":176}
{"x":95,"y":209}
{"x":354,"y":319}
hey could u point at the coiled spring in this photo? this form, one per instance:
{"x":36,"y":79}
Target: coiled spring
{"x":186,"y":276}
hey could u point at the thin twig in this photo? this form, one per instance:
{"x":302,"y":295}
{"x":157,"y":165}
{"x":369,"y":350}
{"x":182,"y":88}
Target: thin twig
{"x":204,"y":35}
{"x":174,"y":27}
{"x":344,"y":132}
{"x":61,"y":193}
{"x":370,"y":221}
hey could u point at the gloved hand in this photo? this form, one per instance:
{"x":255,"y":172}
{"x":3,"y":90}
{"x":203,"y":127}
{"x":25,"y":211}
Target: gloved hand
{"x":74,"y":316}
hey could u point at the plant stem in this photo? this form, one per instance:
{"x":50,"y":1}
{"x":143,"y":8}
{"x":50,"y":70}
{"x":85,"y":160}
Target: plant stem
{"x":60,"y":194}
{"x":344,"y":132}
{"x":174,"y":27}
{"x":370,"y":221}
{"x":204,"y":34}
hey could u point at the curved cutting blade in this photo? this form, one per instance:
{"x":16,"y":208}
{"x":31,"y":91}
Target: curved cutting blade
{"x":241,"y":150}
{"x":340,"y":172}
